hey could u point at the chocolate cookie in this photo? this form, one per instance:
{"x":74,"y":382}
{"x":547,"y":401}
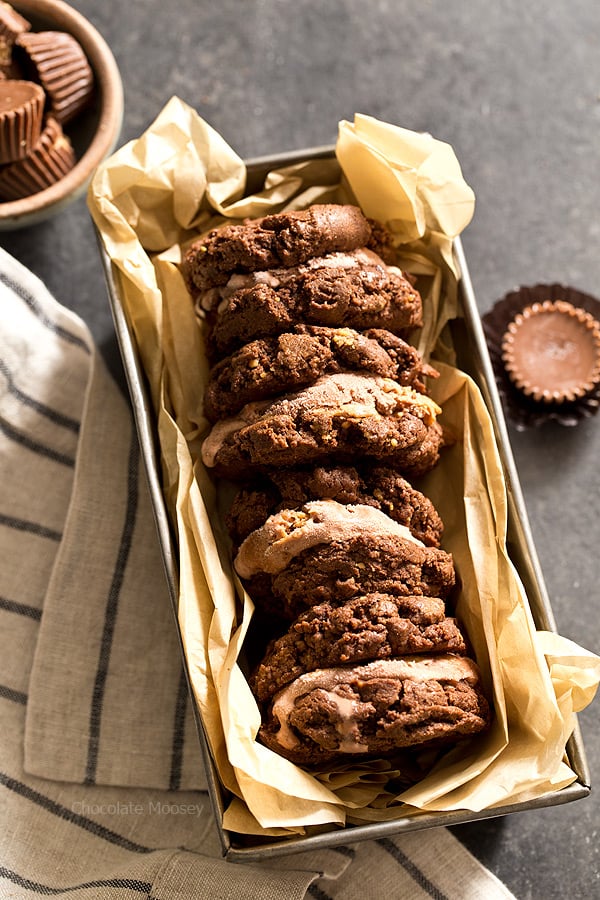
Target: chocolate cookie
{"x":282,"y":239}
{"x":376,"y":626}
{"x":353,"y":290}
{"x":340,"y":570}
{"x":344,"y":417}
{"x":378,"y":486}
{"x":271,"y":366}
{"x":376,"y":709}
{"x":328,"y":552}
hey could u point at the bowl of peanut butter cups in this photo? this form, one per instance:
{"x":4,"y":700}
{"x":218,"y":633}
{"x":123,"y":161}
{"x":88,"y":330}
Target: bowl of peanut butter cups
{"x":61,"y":108}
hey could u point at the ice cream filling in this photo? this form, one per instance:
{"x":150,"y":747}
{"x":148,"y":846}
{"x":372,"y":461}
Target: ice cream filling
{"x":290,"y":532}
{"x":345,"y":395}
{"x":277,"y":278}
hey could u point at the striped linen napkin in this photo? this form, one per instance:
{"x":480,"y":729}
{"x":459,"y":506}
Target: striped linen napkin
{"x":102,"y":789}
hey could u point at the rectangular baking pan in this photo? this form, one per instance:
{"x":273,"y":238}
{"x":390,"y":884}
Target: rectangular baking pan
{"x":473,"y":358}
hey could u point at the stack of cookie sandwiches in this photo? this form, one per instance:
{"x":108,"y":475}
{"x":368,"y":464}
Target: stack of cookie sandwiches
{"x":319,"y":412}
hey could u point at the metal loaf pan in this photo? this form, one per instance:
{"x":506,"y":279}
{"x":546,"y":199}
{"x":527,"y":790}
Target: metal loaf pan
{"x":473,"y":358}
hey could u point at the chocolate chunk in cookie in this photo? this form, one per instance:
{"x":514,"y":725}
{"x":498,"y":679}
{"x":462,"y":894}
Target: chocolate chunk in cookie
{"x":376,"y":709}
{"x":282,"y":239}
{"x":376,"y":626}
{"x":341,"y":417}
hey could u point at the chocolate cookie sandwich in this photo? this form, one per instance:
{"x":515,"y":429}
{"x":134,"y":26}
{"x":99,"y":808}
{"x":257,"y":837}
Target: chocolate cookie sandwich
{"x":266,"y":367}
{"x":375,"y":709}
{"x":279,"y":240}
{"x":328,"y":552}
{"x":366,"y":628}
{"x":341,"y":416}
{"x":371,"y":485}
{"x":355,"y":289}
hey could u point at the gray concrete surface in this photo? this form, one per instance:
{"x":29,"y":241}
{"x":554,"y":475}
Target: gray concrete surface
{"x":515,"y":88}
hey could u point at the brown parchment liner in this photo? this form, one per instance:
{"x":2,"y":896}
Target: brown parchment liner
{"x":148,"y":200}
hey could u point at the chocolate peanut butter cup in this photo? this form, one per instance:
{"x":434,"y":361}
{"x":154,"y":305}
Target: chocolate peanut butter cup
{"x":551,"y":351}
{"x":9,"y":71}
{"x":572,"y":402}
{"x":56,"y":60}
{"x":51,"y":159}
{"x":12,"y":23}
{"x":21,"y":116}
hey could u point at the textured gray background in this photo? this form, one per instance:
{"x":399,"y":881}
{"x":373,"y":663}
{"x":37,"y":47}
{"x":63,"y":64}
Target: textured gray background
{"x":515,"y":88}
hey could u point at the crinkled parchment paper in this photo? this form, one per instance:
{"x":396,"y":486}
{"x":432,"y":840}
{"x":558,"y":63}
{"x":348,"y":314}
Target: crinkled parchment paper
{"x":148,"y":201}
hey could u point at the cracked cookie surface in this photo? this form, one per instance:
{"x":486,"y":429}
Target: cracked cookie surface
{"x":281,"y":239}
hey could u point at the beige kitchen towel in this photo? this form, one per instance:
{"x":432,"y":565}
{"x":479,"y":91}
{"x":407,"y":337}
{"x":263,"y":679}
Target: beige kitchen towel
{"x":102,"y":787}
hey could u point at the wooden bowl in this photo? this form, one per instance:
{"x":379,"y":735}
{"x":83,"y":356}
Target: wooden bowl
{"x":93,"y":133}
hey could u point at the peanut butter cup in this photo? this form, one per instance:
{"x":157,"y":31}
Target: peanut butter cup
{"x":11,"y":26}
{"x":57,"y":61}
{"x":12,"y":23}
{"x":51,"y":159}
{"x":21,"y":115}
{"x":551,"y":352}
